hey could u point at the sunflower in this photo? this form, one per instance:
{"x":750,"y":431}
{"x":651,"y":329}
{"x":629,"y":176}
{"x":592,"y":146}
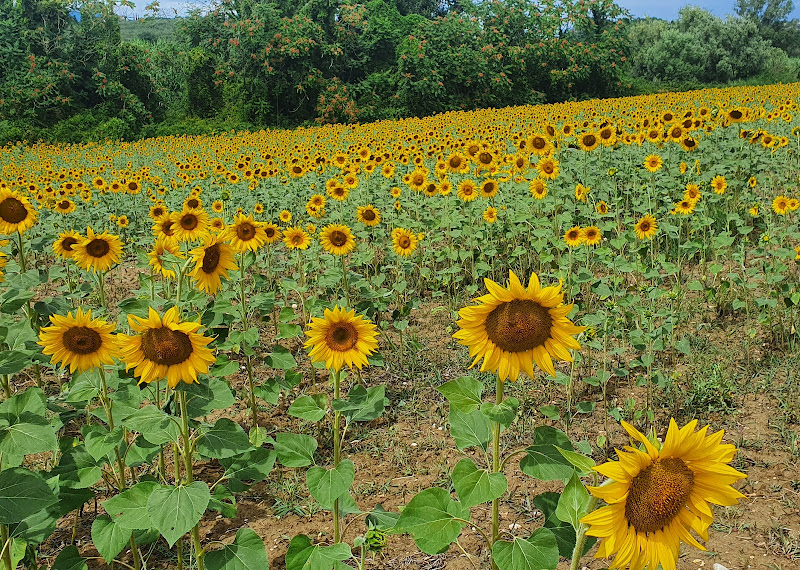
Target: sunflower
{"x":65,"y":206}
{"x":80,"y":342}
{"x":258,"y":208}
{"x":396,"y":192}
{"x":547,"y":168}
{"x":189,"y":224}
{"x":653,"y":162}
{"x":341,"y":337}
{"x":513,"y":328}
{"x":753,"y":211}
{"x":646,"y":227}
{"x":692,"y":193}
{"x":573,"y":237}
{"x":337,"y":239}
{"x":538,"y":188}
{"x":467,"y":190}
{"x":212,"y":261}
{"x":489,"y":188}
{"x":217,"y":206}
{"x":97,"y":252}
{"x":582,"y":192}
{"x":123,"y":221}
{"x":285,"y":216}
{"x":272,"y":232}
{"x":719,"y":184}
{"x":192,"y":203}
{"x":794,"y":204}
{"x":216,"y":225}
{"x":16,"y":212}
{"x":780,"y":205}
{"x":64,"y":246}
{"x":339,"y":193}
{"x":457,"y":163}
{"x":160,"y":247}
{"x":490,"y":215}
{"x":404,"y":242}
{"x":589,"y":141}
{"x":684,"y":207}
{"x":368,"y":215}
{"x":165,"y":348}
{"x":164,"y":226}
{"x":602,"y":208}
{"x":592,"y":235}
{"x":3,"y":261}
{"x":158,"y":211}
{"x":245,"y":234}
{"x":657,"y":496}
{"x":296,"y":238}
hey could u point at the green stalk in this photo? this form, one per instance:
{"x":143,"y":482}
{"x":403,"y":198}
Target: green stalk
{"x":243,"y":311}
{"x":4,"y":379}
{"x":496,"y":467}
{"x":187,"y":463}
{"x":337,"y":376}
{"x":21,"y":253}
{"x":580,"y":540}
{"x":6,"y":547}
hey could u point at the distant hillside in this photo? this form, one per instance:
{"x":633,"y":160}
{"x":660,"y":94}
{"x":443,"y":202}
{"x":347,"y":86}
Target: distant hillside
{"x":148,"y":29}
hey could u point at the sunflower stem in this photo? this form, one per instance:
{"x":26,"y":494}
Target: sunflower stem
{"x":496,"y":468}
{"x":337,"y":376}
{"x":580,"y":540}
{"x":6,"y":547}
{"x":344,"y":281}
{"x":243,"y":307}
{"x":21,"y":252}
{"x":187,"y":464}
{"x":6,"y":385}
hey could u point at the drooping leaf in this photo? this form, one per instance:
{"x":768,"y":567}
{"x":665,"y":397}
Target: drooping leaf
{"x":252,"y":465}
{"x":433,"y":519}
{"x":294,"y":449}
{"x":309,"y":408}
{"x":129,"y":508}
{"x":109,"y":539}
{"x":225,"y":439}
{"x":463,"y":393}
{"x":175,"y":510}
{"x":302,"y":555}
{"x":362,"y":404}
{"x":470,"y":429}
{"x":22,"y":493}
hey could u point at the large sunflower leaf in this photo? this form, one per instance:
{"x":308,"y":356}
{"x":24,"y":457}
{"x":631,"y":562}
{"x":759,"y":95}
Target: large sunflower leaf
{"x":225,"y":439}
{"x":246,"y":553}
{"x":463,"y":393}
{"x":539,"y":552}
{"x":302,"y":555}
{"x":470,"y":429}
{"x":475,"y":486}
{"x":433,"y":519}
{"x":22,"y":493}
{"x":175,"y":510}
{"x":327,"y":485}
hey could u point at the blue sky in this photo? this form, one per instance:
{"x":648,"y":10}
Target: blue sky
{"x":667,"y":10}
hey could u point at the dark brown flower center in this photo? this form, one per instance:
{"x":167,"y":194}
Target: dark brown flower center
{"x":13,"y":211}
{"x":189,"y":221}
{"x":548,"y":167}
{"x":488,"y":188}
{"x":644,"y":226}
{"x":270,"y":231}
{"x":211,"y":259}
{"x":658,"y":494}
{"x":341,"y":337}
{"x":485,"y":158}
{"x":455,"y":161}
{"x":404,"y":242}
{"x":573,"y":234}
{"x":165,"y":346}
{"x":736,"y":114}
{"x":82,"y":340}
{"x":245,"y":231}
{"x":167,"y":228}
{"x":98,"y":248}
{"x":591,"y":234}
{"x":338,"y":238}
{"x":539,"y":143}
{"x":64,"y":204}
{"x":519,"y":325}
{"x":368,"y":215}
{"x":590,"y":140}
{"x":67,"y":243}
{"x":193,"y":203}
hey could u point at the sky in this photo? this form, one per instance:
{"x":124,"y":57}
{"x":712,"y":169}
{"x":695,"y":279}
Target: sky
{"x":658,"y":9}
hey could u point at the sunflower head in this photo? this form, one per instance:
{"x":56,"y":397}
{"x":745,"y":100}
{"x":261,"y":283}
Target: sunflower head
{"x":64,"y":246}
{"x":245,"y":234}
{"x":341,"y":337}
{"x":16,"y":212}
{"x":337,"y":239}
{"x":80,"y":342}
{"x":404,"y":242}
{"x":98,"y":252}
{"x":514,"y":327}
{"x":212,"y":261}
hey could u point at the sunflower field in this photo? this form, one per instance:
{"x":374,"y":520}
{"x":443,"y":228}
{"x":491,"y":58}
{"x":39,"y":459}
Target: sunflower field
{"x":509,"y":339}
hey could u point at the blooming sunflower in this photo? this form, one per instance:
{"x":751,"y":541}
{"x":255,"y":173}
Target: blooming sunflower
{"x":659,"y":495}
{"x":538,"y":188}
{"x":646,"y":227}
{"x":368,"y":215}
{"x":164,"y":226}
{"x":216,"y":225}
{"x":123,"y":221}
{"x":165,"y":348}
{"x":719,"y":184}
{"x":547,"y":168}
{"x":296,"y":238}
{"x":490,"y":215}
{"x":65,"y":206}
{"x":573,"y":237}
{"x":217,"y":206}
{"x":156,"y":255}
{"x":64,"y":246}
{"x":684,"y":207}
{"x":467,"y":190}
{"x":80,"y":342}
{"x":97,"y":252}
{"x":653,"y":162}
{"x":272,"y":232}
{"x":692,"y":193}
{"x":337,"y":239}
{"x":16,"y":212}
{"x":341,"y":337}
{"x":285,"y":216}
{"x":780,"y":205}
{"x":489,"y":188}
{"x":245,"y":234}
{"x":602,"y":208}
{"x":404,"y":242}
{"x":212,"y":261}
{"x":514,"y":327}
{"x":189,"y":224}
{"x":592,"y":235}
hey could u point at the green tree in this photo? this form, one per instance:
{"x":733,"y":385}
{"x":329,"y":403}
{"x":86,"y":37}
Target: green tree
{"x":772,"y":18}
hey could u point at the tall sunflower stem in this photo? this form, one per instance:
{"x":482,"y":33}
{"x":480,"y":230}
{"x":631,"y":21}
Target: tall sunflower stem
{"x":244,"y":310}
{"x":344,"y":281}
{"x":101,"y":287}
{"x":496,"y":468}
{"x":21,"y":252}
{"x":580,"y":539}
{"x":337,"y":376}
{"x":6,"y":541}
{"x":6,"y":385}
{"x":187,"y":464}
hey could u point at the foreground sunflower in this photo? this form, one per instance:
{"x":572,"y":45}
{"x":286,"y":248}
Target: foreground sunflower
{"x":165,"y":348}
{"x":404,"y":242}
{"x":573,"y":237}
{"x":659,"y":495}
{"x":245,"y":234}
{"x":341,"y":337}
{"x":212,"y":261}
{"x":189,"y":225}
{"x":646,"y":227}
{"x":16,"y":212}
{"x":64,"y":246}
{"x":514,"y":327}
{"x":97,"y":252}
{"x":156,"y":255}
{"x":80,"y":342}
{"x":368,"y":215}
{"x":337,"y":239}
{"x":296,"y":238}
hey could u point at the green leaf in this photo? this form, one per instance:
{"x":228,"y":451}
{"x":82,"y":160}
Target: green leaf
{"x":281,"y":358}
{"x":684,"y":346}
{"x":288,"y":330}
{"x":32,"y":401}
{"x":99,"y":441}
{"x":464,"y":393}
{"x":129,"y":508}
{"x":223,"y":501}
{"x":77,"y":469}
{"x":475,"y":486}
{"x":469,"y":428}
{"x":269,"y":391}
{"x":154,"y":425}
{"x":573,"y":502}
{"x":381,"y":518}
{"x":69,"y":559}
{"x":503,"y":413}
{"x":539,"y":552}
{"x":431,"y":519}
{"x":294,"y":449}
{"x":362,"y":404}
{"x":309,"y":408}
{"x":246,"y":553}
{"x":26,"y":438}
{"x":22,"y":493}
{"x":140,"y":452}
{"x":12,"y":362}
{"x":302,"y":555}
{"x":582,"y":463}
{"x":225,"y":439}
{"x":253,"y":466}
{"x":204,"y":397}
{"x":327,"y":485}
{"x":175,"y":510}
{"x":109,"y":539}
{"x":544,"y":461}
